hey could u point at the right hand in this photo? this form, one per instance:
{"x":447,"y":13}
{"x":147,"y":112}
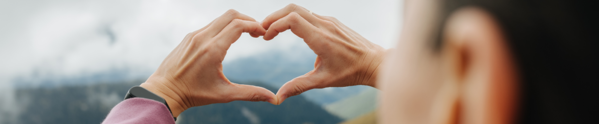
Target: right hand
{"x":344,"y":57}
{"x":191,"y":75}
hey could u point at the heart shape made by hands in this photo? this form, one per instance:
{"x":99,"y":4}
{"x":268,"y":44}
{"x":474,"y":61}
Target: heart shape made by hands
{"x":191,"y":75}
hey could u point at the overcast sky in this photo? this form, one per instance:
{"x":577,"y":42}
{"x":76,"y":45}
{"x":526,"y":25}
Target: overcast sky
{"x":71,"y":37}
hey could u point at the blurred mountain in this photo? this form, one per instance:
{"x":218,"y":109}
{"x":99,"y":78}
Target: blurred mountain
{"x":272,"y":67}
{"x":355,"y":106}
{"x":83,"y":104}
{"x":77,"y":104}
{"x":276,"y":67}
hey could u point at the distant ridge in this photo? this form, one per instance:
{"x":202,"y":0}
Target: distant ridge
{"x":89,"y":104}
{"x":274,"y":68}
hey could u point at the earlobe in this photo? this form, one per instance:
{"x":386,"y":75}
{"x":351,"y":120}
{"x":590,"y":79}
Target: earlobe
{"x":479,"y":67}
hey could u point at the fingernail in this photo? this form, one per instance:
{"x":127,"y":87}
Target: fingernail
{"x":280,"y":100}
{"x":273,"y":101}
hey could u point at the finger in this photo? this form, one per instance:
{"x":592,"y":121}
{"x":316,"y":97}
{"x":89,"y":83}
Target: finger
{"x":341,"y":25}
{"x":266,"y":23}
{"x":255,"y":35}
{"x":233,"y":31}
{"x":194,"y":33}
{"x":298,"y":25}
{"x":298,"y":86}
{"x":190,"y":35}
{"x":250,"y":93}
{"x":221,"y":22}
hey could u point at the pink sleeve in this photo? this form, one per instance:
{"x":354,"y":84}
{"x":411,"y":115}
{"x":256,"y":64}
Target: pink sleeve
{"x":139,"y":111}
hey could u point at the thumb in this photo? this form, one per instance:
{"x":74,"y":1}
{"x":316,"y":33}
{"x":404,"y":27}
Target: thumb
{"x":297,"y":86}
{"x":250,"y":93}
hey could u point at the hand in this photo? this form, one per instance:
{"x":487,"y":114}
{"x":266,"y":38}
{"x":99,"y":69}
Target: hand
{"x":191,"y":75}
{"x":344,"y":57}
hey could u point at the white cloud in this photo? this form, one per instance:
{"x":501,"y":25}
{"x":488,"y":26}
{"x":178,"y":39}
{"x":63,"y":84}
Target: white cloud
{"x":87,"y":36}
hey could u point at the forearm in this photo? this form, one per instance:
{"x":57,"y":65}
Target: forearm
{"x":139,"y":110}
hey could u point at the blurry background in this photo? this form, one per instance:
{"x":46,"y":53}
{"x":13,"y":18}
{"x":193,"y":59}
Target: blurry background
{"x":71,"y":61}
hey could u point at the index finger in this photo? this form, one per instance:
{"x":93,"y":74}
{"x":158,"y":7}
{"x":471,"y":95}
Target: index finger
{"x":221,"y":22}
{"x":286,"y":11}
{"x":233,"y":31}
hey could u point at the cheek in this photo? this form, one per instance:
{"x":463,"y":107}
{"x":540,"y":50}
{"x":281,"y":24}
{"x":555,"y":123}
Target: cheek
{"x":408,"y":84}
{"x":409,"y":76}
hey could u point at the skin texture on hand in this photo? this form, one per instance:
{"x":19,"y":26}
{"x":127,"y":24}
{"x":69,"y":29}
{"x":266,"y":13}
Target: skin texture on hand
{"x":191,"y":75}
{"x":344,"y":57}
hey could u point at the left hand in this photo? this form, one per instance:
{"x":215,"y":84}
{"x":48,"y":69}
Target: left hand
{"x":344,"y":57}
{"x":191,"y":75}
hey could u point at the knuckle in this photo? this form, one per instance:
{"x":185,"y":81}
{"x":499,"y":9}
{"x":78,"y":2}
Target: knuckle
{"x":254,"y":97}
{"x":297,"y":90}
{"x":197,"y":37}
{"x":237,"y":23}
{"x":193,"y":43}
{"x":292,"y":6}
{"x":191,"y":34}
{"x":294,"y":17}
{"x":329,"y":26}
{"x":232,"y":12}
{"x":331,"y":18}
{"x":329,"y":23}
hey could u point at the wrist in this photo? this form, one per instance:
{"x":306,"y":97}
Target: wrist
{"x":373,"y":67}
{"x":174,"y":100}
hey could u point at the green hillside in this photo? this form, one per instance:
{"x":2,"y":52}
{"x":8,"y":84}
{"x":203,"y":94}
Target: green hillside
{"x":354,"y":106}
{"x":368,"y":118}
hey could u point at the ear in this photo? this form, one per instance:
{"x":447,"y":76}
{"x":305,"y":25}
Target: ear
{"x":479,"y":70}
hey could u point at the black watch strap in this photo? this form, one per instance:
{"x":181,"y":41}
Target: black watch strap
{"x":137,"y":91}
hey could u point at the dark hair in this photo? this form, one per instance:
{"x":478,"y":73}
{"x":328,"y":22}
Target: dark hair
{"x":555,"y":49}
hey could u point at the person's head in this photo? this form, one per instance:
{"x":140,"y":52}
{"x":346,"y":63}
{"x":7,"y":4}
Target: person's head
{"x":493,"y":61}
